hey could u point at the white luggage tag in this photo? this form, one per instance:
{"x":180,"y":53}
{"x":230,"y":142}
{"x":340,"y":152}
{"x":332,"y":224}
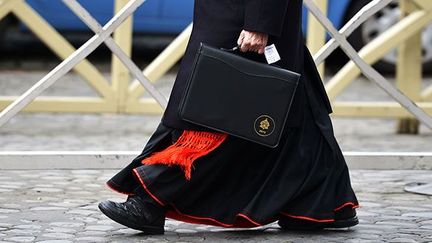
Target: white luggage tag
{"x":271,"y":54}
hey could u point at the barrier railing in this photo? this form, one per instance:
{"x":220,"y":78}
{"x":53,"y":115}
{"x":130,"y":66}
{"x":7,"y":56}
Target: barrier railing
{"x":102,"y":34}
{"x":405,"y":35}
{"x":316,"y":34}
{"x":63,"y":49}
{"x":113,"y":97}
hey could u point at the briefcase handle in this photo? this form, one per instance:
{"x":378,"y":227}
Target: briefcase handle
{"x":237,"y":49}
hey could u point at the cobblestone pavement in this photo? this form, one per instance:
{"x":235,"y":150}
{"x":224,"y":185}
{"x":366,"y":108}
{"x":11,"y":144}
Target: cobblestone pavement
{"x":61,"y":206}
{"x":29,"y":131}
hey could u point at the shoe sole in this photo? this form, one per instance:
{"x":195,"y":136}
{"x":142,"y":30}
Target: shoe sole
{"x":346,"y":223}
{"x":150,"y":230}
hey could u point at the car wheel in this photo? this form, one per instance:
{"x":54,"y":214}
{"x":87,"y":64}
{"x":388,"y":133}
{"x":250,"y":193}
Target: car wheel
{"x":378,"y":24}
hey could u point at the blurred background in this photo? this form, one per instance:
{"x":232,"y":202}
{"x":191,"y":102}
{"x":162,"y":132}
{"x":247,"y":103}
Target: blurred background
{"x":24,"y":59}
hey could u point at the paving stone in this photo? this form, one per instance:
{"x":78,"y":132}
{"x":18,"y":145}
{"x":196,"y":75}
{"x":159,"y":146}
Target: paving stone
{"x":426,"y":227}
{"x":403,"y":240}
{"x":21,"y":238}
{"x":64,"y":204}
{"x":54,"y":178}
{"x":67,"y":224}
{"x":6,"y":190}
{"x":89,"y":219}
{"x":11,"y":205}
{"x":81,"y":212}
{"x":27,"y":226}
{"x":99,"y":227}
{"x":47,"y":189}
{"x":420,"y":214}
{"x":6,"y":210}
{"x":43,"y":185}
{"x":105,"y":221}
{"x":10,"y":186}
{"x":47,"y":208}
{"x":91,"y":239}
{"x":60,"y":230}
{"x":21,"y":232}
{"x":397,"y":223}
{"x":80,"y":193}
{"x":126,"y":231}
{"x":58,"y":235}
{"x":94,"y":232}
{"x":54,"y":241}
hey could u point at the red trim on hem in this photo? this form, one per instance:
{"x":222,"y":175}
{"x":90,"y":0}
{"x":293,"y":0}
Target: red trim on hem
{"x":247,"y":217}
{"x":246,"y":223}
{"x":145,"y":187}
{"x":346,"y":204}
{"x":114,"y":189}
{"x":177,"y":215}
{"x":322,"y":220}
{"x":308,"y":218}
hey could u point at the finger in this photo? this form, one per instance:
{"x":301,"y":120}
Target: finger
{"x":253,"y":46}
{"x":246,"y":46}
{"x":252,"y":49}
{"x":241,"y":38}
{"x":258,"y":48}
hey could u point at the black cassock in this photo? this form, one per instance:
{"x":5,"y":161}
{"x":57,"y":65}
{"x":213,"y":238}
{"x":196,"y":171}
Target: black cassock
{"x":240,"y":183}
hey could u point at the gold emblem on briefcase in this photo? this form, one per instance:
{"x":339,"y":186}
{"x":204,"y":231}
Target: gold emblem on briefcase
{"x":264,"y":125}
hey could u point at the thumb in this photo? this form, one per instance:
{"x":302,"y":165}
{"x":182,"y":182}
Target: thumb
{"x":240,"y":39}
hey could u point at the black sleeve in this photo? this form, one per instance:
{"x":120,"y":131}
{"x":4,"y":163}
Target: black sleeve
{"x":265,"y":16}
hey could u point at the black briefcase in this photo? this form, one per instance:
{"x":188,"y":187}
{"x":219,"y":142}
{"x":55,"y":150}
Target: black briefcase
{"x":233,"y":94}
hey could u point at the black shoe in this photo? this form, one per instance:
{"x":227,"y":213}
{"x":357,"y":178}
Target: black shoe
{"x":345,"y":218}
{"x":136,"y":213}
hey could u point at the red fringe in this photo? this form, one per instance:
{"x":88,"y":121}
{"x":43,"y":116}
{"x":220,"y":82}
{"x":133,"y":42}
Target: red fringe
{"x":188,"y":147}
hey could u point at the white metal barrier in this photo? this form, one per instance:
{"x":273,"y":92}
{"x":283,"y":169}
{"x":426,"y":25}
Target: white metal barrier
{"x":102,"y":35}
{"x":340,"y":39}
